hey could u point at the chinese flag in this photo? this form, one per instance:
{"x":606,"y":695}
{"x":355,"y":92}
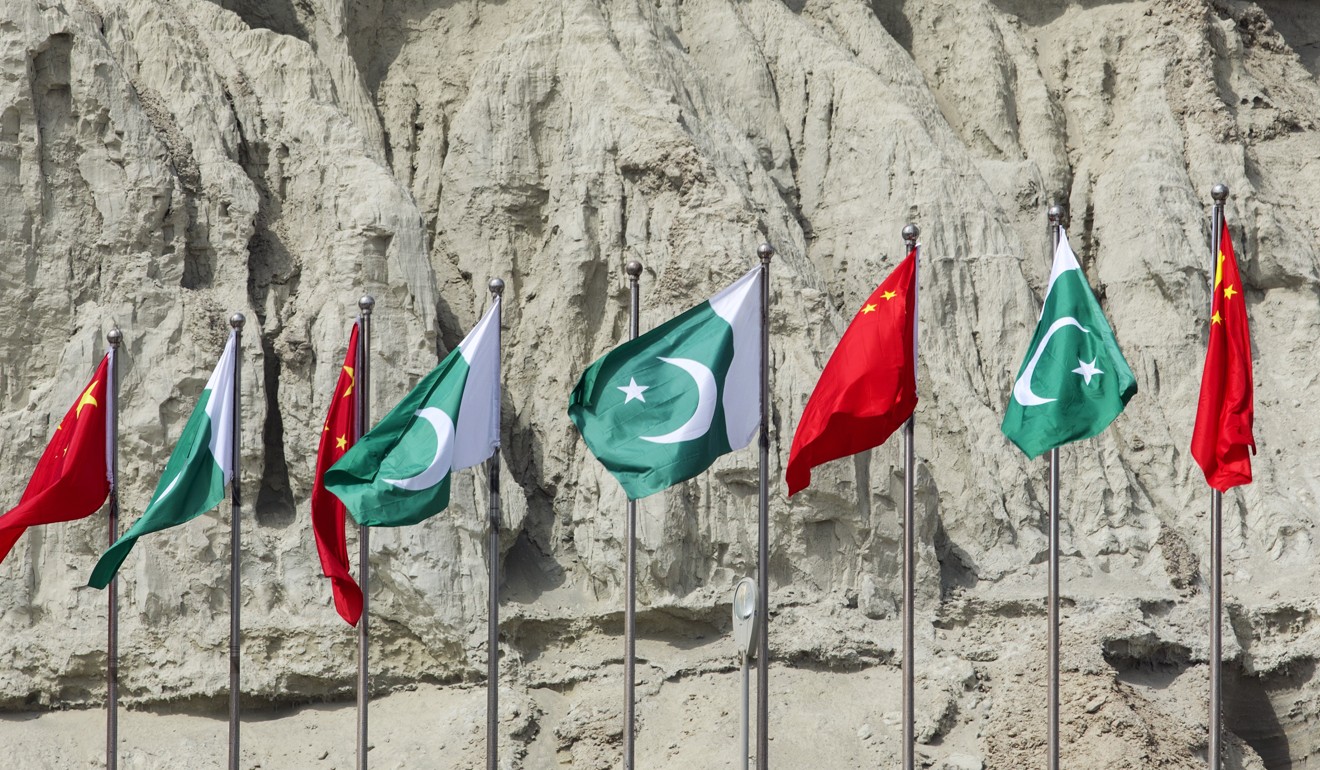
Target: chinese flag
{"x":1222,"y":436}
{"x":327,"y":512}
{"x":869,"y":386}
{"x":72,"y":479}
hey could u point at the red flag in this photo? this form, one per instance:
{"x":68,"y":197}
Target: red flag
{"x":71,"y":480}
{"x":1224,"y":412}
{"x":869,"y":386}
{"x":327,"y":512}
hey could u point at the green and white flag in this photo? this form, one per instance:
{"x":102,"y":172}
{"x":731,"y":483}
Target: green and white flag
{"x":659,"y":409}
{"x":399,"y":472}
{"x":196,"y":474}
{"x":1074,"y":381}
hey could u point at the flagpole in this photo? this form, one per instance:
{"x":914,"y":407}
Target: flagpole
{"x":634,"y":271}
{"x":114,"y":337}
{"x":765,"y":251}
{"x":910,"y":233}
{"x":362,"y":417}
{"x":1056,"y":215}
{"x":496,"y":287}
{"x":235,"y":586}
{"x":1219,"y":193}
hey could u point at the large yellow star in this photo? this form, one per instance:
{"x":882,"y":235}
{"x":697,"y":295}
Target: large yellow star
{"x":1229,"y":292}
{"x":351,"y":380}
{"x":341,"y":442}
{"x":889,"y":295}
{"x":86,"y":399}
{"x":868,"y":309}
{"x":1214,"y":319}
{"x":1219,"y":269}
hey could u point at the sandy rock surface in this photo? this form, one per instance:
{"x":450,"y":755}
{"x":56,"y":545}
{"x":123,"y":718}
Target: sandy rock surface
{"x":166,"y":163}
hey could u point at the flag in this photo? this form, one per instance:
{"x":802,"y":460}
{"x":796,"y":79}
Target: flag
{"x":197,"y":472}
{"x":399,"y":472}
{"x":869,"y":385}
{"x":72,"y":478}
{"x":338,"y":434}
{"x":659,"y":409}
{"x":1224,"y":412}
{"x":1074,"y":380}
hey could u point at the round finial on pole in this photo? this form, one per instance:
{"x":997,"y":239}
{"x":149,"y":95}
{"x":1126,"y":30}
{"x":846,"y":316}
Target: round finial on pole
{"x":633,"y":269}
{"x":496,"y":286}
{"x":1219,"y":192}
{"x":237,"y":320}
{"x":1056,"y":214}
{"x":765,"y":251}
{"x":114,"y":337}
{"x":910,"y":234}
{"x":366,"y":304}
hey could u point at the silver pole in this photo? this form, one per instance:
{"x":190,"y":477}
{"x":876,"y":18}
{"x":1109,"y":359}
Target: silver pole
{"x":1219,"y":193}
{"x":910,"y":233}
{"x":114,"y":337}
{"x":765,"y":252}
{"x":235,"y":542}
{"x":496,"y":287}
{"x":1057,"y":215}
{"x":634,"y":271}
{"x":362,"y":419}
{"x":746,"y":709}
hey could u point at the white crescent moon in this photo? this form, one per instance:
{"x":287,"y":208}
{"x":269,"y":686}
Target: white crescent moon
{"x":1022,"y":388}
{"x":698,"y":424}
{"x":444,"y":452}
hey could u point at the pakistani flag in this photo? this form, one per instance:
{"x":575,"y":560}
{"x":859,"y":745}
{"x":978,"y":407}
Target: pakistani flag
{"x":1074,"y":381}
{"x":195,"y":475}
{"x":399,"y":472}
{"x":659,"y":409}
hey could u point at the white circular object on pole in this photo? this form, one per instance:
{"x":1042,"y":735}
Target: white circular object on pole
{"x":746,"y":622}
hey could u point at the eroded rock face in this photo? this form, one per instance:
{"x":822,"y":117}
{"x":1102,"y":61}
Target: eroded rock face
{"x":163,"y":164}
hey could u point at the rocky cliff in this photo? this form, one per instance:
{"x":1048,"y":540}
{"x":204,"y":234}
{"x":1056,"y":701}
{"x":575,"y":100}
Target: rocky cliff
{"x":163,"y":164}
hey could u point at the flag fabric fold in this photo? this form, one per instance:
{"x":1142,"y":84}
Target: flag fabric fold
{"x":72,"y":478}
{"x":399,"y":472}
{"x":660,"y":409}
{"x":1074,"y":380}
{"x":869,"y":385}
{"x":1222,"y":441}
{"x":328,"y":514}
{"x":197,"y":472}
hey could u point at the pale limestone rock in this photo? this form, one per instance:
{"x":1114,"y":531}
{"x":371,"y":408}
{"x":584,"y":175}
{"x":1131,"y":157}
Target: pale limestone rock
{"x":163,"y":164}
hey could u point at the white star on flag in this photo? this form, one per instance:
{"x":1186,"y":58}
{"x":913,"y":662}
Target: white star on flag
{"x":1087,"y":370}
{"x":633,"y":390}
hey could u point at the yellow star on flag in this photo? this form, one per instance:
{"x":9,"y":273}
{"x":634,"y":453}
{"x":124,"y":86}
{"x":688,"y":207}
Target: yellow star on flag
{"x":341,"y":442}
{"x":868,"y":309}
{"x":1229,"y":292}
{"x":86,"y":399}
{"x":351,"y":380}
{"x":889,"y":295}
{"x":1214,"y":319}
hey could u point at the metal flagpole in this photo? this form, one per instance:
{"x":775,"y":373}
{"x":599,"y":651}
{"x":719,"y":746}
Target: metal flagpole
{"x":1219,"y":193}
{"x":362,"y":380}
{"x":114,"y":337}
{"x":235,"y":586}
{"x":765,"y":252}
{"x":496,"y":287}
{"x":910,"y":233}
{"x":1056,"y":215}
{"x":634,"y":271}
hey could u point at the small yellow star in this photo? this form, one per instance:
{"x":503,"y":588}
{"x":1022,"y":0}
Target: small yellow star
{"x":1229,"y":292}
{"x":1214,"y":319}
{"x":341,"y":442}
{"x":889,"y":295}
{"x":868,"y":309}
